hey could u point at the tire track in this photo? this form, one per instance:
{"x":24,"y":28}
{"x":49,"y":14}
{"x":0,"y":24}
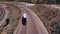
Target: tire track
{"x":2,"y":13}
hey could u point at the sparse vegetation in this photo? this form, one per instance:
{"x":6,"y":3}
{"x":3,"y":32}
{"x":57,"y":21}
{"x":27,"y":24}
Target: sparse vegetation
{"x":36,"y":1}
{"x":49,"y":16}
{"x":12,"y":20}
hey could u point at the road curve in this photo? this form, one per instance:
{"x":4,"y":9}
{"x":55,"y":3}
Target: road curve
{"x":34,"y":24}
{"x":3,"y":15}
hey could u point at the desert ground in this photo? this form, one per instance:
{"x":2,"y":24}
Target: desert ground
{"x":41,"y":18}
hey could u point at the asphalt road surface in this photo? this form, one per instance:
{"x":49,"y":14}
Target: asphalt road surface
{"x":34,"y":24}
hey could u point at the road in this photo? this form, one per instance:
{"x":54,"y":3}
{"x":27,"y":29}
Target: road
{"x":3,"y":15}
{"x":54,"y":6}
{"x":34,"y":24}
